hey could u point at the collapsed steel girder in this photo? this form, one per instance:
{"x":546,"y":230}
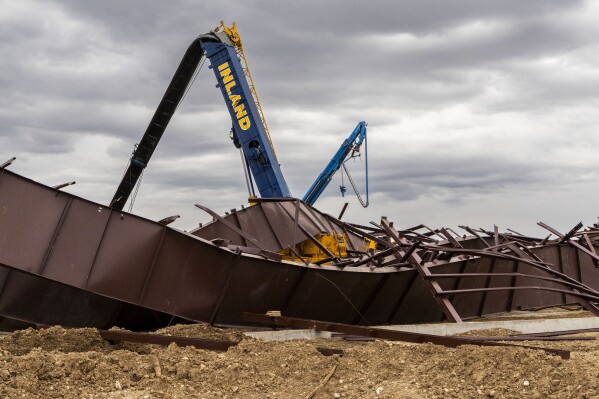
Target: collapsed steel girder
{"x":484,"y":273}
{"x":65,"y":260}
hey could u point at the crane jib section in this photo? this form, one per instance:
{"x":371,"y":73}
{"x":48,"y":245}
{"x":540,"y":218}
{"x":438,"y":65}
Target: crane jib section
{"x":248,"y":129}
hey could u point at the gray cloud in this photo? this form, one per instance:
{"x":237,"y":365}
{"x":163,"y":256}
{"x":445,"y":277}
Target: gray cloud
{"x":468,"y":102}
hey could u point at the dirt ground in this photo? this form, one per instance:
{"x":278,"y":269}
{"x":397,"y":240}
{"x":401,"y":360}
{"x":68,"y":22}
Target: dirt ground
{"x":77,"y":363}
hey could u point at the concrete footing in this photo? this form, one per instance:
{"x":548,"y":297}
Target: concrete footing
{"x":524,"y":326}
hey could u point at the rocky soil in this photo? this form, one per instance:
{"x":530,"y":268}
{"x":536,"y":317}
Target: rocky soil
{"x":77,"y":363}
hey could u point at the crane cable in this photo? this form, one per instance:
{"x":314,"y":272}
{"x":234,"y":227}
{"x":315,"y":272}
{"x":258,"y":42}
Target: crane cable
{"x":198,"y":69}
{"x":353,"y":185}
{"x":351,"y":180}
{"x":135,"y":192}
{"x":236,"y":40}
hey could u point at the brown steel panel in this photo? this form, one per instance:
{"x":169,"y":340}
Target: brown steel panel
{"x":571,"y":264}
{"x":124,"y":257}
{"x":570,"y":261}
{"x":4,"y":272}
{"x":467,"y":305}
{"x":247,"y":237}
{"x":552,"y":254}
{"x":305,"y":219}
{"x":256,"y":225}
{"x":9,"y":324}
{"x":447,"y":268}
{"x":418,"y":306}
{"x":324,"y":219}
{"x":589,"y":273}
{"x":187,"y":277}
{"x":498,"y":301}
{"x":314,"y":217}
{"x":31,"y":298}
{"x":446,"y":284}
{"x":422,"y":265}
{"x":215,"y":230}
{"x":70,"y":260}
{"x":483,"y":300}
{"x":383,"y":305}
{"x":249,"y":289}
{"x":225,"y":289}
{"x":375,"y":292}
{"x":332,"y":295}
{"x":398,"y":302}
{"x":39,"y":301}
{"x":251,"y":220}
{"x":272,"y":224}
{"x":27,"y":228}
{"x":535,"y":298}
{"x":237,"y":223}
{"x":282,"y":224}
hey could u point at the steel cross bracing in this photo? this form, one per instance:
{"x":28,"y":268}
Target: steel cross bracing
{"x":506,"y":266}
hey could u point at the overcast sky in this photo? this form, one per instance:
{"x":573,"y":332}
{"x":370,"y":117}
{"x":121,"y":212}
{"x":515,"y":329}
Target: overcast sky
{"x":479,"y":112}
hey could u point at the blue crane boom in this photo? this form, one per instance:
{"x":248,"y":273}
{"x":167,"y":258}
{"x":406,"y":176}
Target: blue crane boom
{"x":249,"y":130}
{"x":349,"y":147}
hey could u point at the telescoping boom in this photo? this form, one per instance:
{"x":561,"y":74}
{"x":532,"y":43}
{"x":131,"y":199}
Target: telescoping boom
{"x":350,"y":146}
{"x":249,"y":130}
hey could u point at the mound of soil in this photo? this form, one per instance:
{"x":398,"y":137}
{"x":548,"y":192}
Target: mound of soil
{"x":77,"y":363}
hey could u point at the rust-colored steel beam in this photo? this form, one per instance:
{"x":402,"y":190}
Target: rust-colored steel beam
{"x":258,"y":200}
{"x":566,"y":238}
{"x":489,"y":339}
{"x":450,"y":238}
{"x":571,"y":233}
{"x":417,"y":262}
{"x":218,"y":345}
{"x":533,"y":338}
{"x":168,"y":220}
{"x":580,"y":295}
{"x":389,"y":335}
{"x":590,"y":246}
{"x":342,"y":210}
{"x":475,"y":234}
{"x":548,"y":334}
{"x":591,"y":294}
{"x":165,"y":340}
{"x":231,"y":226}
{"x":63,"y":185}
{"x":7,"y":163}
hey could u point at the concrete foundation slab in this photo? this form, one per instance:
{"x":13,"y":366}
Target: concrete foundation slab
{"x":524,"y":326}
